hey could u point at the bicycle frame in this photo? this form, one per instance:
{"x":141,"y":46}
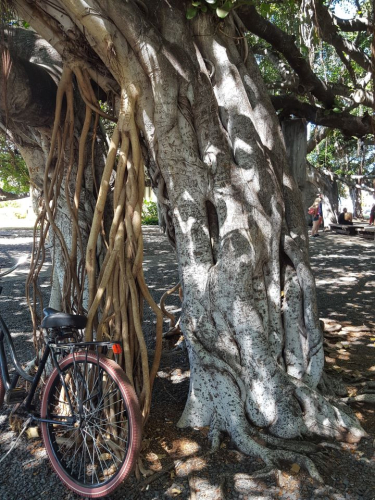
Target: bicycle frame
{"x":11,"y":382}
{"x":5,"y":335}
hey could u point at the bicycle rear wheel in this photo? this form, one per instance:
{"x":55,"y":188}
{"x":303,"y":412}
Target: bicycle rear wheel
{"x":98,"y":448}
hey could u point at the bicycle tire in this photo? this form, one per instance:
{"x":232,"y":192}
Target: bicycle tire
{"x":86,"y":456}
{"x":2,"y":392}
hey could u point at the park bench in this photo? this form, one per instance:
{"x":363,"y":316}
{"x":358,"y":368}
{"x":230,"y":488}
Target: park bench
{"x":345,"y":228}
{"x":367,"y":232}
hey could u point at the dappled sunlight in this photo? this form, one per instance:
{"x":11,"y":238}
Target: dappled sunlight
{"x":176,"y":376}
{"x":344,"y":274}
{"x":348,"y":347}
{"x":273,"y":485}
{"x":345,"y":279}
{"x":38,"y":453}
{"x":183,"y":448}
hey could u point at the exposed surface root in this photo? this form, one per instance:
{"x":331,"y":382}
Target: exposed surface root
{"x":361,"y":398}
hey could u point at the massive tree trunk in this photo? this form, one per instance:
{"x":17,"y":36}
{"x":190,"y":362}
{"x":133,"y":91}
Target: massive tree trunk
{"x":217,"y":160}
{"x":309,"y":180}
{"x":320,"y":182}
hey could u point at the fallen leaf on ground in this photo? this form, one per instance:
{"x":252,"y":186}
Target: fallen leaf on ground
{"x":175,"y":491}
{"x":295,"y":468}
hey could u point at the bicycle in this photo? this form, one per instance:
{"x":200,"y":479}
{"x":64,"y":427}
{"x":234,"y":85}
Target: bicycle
{"x":89,"y":413}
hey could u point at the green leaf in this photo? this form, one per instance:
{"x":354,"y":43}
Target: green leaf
{"x":336,"y":110}
{"x":265,"y":9}
{"x":210,"y":1}
{"x":221,"y":13}
{"x":191,"y":12}
{"x":224,"y":10}
{"x":204,"y":8}
{"x":196,"y":4}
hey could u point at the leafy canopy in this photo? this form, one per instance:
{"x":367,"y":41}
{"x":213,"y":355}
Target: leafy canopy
{"x":14,"y":176}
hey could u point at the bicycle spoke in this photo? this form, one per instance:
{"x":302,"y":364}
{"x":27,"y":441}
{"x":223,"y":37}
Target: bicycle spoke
{"x":113,"y":435}
{"x":109,"y":452}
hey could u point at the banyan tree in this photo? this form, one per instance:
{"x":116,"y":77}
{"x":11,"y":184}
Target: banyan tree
{"x":185,"y":100}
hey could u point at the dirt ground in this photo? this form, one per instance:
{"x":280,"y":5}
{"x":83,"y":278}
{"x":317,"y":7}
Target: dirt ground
{"x":180,"y":458}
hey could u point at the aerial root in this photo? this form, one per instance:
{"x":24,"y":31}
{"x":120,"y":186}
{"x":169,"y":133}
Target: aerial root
{"x":116,"y":286}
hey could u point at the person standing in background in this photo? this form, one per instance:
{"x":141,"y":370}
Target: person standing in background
{"x":317,"y":213}
{"x":372,"y":214}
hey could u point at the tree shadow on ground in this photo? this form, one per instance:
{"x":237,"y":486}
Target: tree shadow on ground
{"x":180,"y":459}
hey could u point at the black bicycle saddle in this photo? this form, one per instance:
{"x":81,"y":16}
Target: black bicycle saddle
{"x":55,"y":319}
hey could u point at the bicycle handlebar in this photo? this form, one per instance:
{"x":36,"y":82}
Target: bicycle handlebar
{"x":21,"y":261}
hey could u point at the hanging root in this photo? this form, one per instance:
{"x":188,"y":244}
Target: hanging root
{"x":116,"y":296}
{"x":117,"y":289}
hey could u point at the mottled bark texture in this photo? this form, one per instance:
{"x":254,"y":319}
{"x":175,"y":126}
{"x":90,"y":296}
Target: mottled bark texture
{"x":217,"y":161}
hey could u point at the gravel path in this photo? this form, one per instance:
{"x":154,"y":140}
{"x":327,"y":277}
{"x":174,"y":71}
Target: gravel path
{"x":346,"y":293}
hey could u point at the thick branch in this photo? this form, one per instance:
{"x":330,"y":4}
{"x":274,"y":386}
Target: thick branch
{"x":284,"y":43}
{"x":352,"y":25}
{"x":288,"y":77}
{"x":330,"y":34}
{"x":347,"y":123}
{"x":319,"y":135}
{"x":66,"y":39}
{"x":345,"y":179}
{"x":359,"y":95}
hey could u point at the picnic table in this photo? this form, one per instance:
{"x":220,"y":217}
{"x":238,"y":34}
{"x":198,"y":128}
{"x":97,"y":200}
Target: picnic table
{"x":346,"y":228}
{"x":367,"y":232}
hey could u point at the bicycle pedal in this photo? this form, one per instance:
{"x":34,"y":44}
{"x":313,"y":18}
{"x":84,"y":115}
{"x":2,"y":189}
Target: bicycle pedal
{"x":14,"y":396}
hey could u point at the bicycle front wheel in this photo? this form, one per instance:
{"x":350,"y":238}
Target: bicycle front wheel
{"x":94,"y":440}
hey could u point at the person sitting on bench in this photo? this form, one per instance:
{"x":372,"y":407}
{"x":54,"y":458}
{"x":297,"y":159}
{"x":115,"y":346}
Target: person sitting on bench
{"x":345,"y":218}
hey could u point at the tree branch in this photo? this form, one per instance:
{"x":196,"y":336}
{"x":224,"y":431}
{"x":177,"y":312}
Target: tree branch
{"x":284,"y":43}
{"x":352,"y":25}
{"x":330,"y":34}
{"x":343,"y":178}
{"x":289,"y":78}
{"x":349,"y":125}
{"x":318,"y":136}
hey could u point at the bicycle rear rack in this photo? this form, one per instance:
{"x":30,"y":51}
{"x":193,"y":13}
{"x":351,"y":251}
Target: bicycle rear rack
{"x":101,"y":347}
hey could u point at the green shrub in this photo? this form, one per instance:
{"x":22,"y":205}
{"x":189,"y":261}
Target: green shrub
{"x":150,"y":213}
{"x":14,"y":176}
{"x":20,"y":215}
{"x":10,"y":204}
